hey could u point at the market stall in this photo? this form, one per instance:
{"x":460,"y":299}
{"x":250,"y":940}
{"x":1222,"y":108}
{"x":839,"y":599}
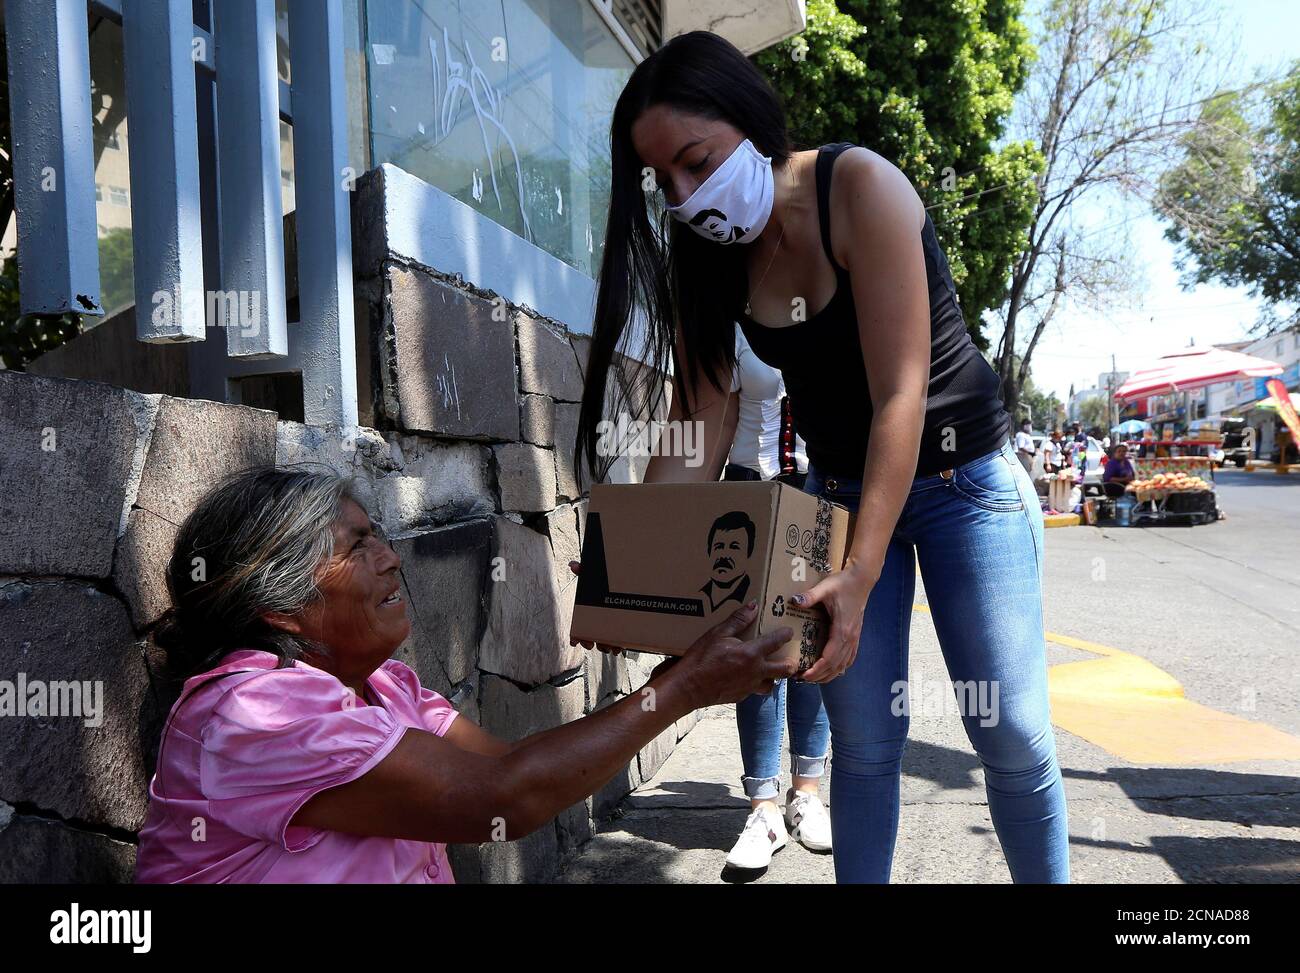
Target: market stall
{"x":1174,"y":478}
{"x":1152,"y":456}
{"x":1176,"y":496}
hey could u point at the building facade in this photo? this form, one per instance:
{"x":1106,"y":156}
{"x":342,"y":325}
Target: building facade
{"x":1239,"y":398}
{"x":402,"y":206}
{"x":1107,"y":383}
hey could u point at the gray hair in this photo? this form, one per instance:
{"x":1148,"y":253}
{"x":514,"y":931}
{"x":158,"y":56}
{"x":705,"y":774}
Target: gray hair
{"x":252,"y":546}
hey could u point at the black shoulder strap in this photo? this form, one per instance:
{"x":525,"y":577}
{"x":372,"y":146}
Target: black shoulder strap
{"x":826,"y":157}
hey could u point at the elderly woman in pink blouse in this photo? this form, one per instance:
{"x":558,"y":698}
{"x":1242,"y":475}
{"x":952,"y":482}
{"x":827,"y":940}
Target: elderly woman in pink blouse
{"x":300,"y":752}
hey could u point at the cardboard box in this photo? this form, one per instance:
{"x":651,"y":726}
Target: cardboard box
{"x":664,"y":562}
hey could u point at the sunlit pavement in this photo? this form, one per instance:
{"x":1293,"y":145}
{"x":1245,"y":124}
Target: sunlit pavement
{"x":1175,"y":655}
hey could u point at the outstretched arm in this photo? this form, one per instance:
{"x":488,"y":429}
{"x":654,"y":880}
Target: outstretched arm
{"x":430,"y":789}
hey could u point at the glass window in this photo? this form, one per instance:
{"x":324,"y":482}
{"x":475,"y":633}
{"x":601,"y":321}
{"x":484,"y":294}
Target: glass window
{"x":354,"y":79}
{"x":288,"y":183}
{"x":504,"y":106}
{"x":354,"y":69}
{"x":282,"y":68}
{"x":641,"y":19}
{"x":111,"y":141}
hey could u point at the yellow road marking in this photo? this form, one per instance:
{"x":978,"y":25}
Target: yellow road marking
{"x":1072,"y":642}
{"x":1135,"y":710}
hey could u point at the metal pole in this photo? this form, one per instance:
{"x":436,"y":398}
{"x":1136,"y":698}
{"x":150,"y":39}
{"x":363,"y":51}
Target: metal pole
{"x":53,"y":158}
{"x":324,"y":183}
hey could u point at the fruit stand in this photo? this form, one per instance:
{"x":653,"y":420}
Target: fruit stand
{"x":1179,"y":456}
{"x":1178,"y":490}
{"x":1177,"y":495}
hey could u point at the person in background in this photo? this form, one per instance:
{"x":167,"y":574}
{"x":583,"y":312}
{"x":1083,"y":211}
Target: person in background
{"x":1025,"y":445}
{"x":1078,"y":440}
{"x":1284,"y":446}
{"x":1118,"y":472}
{"x":1054,"y":460}
{"x":762,"y":426}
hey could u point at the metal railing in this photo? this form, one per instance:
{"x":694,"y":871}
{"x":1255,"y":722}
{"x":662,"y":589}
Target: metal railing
{"x":204,"y":103}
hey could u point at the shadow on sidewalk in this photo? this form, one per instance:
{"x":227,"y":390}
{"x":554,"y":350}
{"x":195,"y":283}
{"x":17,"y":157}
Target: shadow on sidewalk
{"x":1198,"y":794}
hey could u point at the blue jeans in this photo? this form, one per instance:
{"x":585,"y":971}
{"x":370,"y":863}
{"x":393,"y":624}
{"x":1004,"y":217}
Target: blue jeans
{"x":760,"y":721}
{"x":978,"y":537}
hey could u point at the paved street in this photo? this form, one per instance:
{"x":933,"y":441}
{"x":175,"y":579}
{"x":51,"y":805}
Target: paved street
{"x":1176,"y":699}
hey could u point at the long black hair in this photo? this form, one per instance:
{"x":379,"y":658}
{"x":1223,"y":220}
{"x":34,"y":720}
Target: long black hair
{"x":676,"y":277}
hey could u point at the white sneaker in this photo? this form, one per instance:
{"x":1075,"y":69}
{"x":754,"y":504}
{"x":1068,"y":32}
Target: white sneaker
{"x":763,"y":835}
{"x":808,"y":821}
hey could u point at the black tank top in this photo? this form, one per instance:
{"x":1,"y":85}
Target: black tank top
{"x":820,"y":359}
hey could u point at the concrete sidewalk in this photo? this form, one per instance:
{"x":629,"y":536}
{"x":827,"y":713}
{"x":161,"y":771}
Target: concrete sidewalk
{"x":1210,"y":608}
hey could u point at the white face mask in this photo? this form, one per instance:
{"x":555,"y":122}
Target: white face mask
{"x":733,"y":204}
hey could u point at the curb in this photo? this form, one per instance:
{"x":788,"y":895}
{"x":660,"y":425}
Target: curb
{"x":1061,"y":520}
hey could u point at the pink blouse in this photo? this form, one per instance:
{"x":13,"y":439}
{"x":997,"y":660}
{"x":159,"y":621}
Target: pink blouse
{"x":248,"y":750}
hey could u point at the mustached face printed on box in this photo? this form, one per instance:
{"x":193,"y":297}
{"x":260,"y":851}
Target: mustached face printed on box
{"x":664,"y":562}
{"x":731,"y":544}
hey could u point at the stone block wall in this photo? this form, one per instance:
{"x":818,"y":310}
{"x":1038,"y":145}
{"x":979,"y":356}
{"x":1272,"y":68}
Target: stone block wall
{"x":95,"y":479}
{"x":470,"y":410}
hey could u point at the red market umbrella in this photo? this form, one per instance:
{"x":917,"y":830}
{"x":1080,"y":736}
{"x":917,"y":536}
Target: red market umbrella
{"x":1194,"y":369}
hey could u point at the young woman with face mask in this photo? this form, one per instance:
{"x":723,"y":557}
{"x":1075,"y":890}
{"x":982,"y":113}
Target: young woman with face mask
{"x":829,"y":262}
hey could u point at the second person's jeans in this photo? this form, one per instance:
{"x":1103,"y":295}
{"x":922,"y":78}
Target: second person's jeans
{"x":760,"y":720}
{"x":978,"y":537}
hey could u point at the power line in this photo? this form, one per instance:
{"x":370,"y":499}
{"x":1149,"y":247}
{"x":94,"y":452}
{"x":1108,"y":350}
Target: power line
{"x":975,"y":195}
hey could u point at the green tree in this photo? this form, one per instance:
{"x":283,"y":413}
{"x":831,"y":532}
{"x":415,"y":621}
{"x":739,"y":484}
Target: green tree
{"x":27,"y":336}
{"x":1233,"y":199}
{"x":929,"y":86}
{"x":116,"y":280}
{"x":1092,"y":413}
{"x":1115,"y":86}
{"x":1044,"y":407}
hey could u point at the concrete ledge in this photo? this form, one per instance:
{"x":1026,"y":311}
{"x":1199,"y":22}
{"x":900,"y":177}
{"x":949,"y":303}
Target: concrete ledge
{"x":425,"y":225}
{"x":1061,"y":520}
